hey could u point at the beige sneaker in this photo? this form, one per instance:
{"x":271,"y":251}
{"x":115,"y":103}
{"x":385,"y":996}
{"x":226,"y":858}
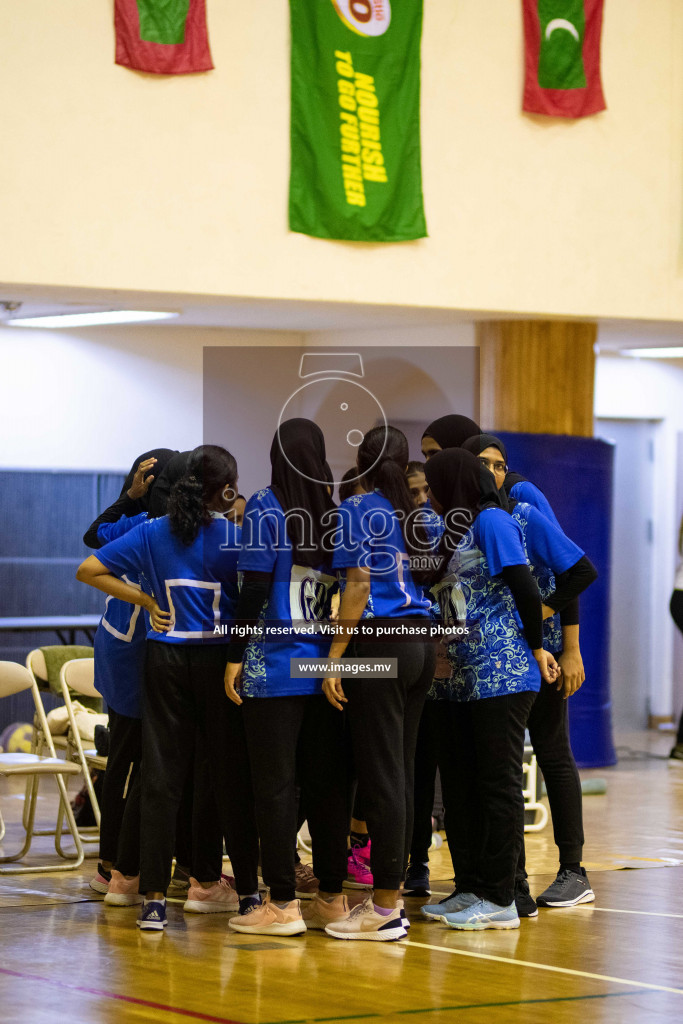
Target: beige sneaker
{"x":365,"y":923}
{"x":123,"y":892}
{"x":219,"y":899}
{"x":318,"y":913}
{"x":269,"y":919}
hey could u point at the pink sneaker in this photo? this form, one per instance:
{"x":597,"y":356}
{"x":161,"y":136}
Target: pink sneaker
{"x":100,"y":882}
{"x":363,"y":852}
{"x":123,"y":892}
{"x":318,"y":914}
{"x":359,"y":876}
{"x":219,"y":899}
{"x":269,"y":919}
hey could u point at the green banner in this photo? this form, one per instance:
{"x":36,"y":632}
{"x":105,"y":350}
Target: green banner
{"x":163,"y":21}
{"x":355,"y":120}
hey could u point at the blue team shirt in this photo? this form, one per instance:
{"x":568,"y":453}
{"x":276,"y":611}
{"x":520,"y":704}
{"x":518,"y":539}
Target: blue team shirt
{"x":550,"y":553}
{"x":524,"y":490}
{"x":119,"y":643}
{"x":369,"y":536}
{"x":495,"y":658}
{"x":298,"y":601}
{"x":196,"y":583}
{"x":122,"y":620}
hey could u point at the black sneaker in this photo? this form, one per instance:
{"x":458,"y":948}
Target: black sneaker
{"x":524,"y":901}
{"x":417,"y":881}
{"x":567,"y":890}
{"x":677,"y":753}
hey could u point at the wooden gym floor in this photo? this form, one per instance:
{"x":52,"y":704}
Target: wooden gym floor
{"x":65,"y":957}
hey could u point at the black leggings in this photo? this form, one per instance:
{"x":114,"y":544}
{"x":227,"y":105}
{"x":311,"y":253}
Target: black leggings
{"x":548,"y":727}
{"x":485,"y":793}
{"x":427,"y":760}
{"x":119,"y":807}
{"x":183,"y":693}
{"x":298,"y":738}
{"x":676,"y":609}
{"x":384,"y":716}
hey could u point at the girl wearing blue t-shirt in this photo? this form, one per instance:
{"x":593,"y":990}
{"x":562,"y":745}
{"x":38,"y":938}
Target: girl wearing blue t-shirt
{"x":292,"y":732}
{"x":548,"y":723}
{"x":119,"y":653}
{"x":188,"y":564}
{"x":486,"y":587}
{"x":378,"y":543}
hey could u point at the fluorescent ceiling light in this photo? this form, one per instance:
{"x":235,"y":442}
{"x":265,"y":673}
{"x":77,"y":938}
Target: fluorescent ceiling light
{"x":112,"y":316}
{"x":652,"y":353}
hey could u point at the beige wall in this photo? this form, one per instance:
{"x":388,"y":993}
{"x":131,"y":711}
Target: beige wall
{"x":119,"y":180}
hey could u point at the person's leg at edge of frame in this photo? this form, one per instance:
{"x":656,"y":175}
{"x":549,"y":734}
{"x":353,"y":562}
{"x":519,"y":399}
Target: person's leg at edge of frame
{"x":168,"y":714}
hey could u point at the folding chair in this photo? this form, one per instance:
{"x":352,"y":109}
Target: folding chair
{"x":15,"y":678}
{"x":79,"y":675}
{"x":35,"y":663}
{"x":530,"y":793}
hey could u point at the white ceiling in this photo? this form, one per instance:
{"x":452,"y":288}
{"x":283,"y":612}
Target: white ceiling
{"x":299,"y":315}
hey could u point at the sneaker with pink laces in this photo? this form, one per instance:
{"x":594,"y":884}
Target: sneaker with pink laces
{"x":123,"y":892}
{"x":319,"y":913}
{"x":306,"y":884}
{"x":270,"y":919}
{"x":219,"y":899}
{"x":359,"y":876}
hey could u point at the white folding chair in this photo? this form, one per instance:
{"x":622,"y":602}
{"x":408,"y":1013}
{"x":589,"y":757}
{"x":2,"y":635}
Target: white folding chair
{"x":78,"y":675}
{"x":15,"y":678}
{"x":35,"y":663}
{"x":530,"y":793}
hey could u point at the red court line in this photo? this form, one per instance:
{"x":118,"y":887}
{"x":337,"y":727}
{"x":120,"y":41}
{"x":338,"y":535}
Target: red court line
{"x":124,"y":999}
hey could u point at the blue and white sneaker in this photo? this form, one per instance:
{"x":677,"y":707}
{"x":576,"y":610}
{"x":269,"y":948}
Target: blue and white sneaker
{"x":152,"y":916}
{"x":483,"y":914}
{"x":451,"y":905}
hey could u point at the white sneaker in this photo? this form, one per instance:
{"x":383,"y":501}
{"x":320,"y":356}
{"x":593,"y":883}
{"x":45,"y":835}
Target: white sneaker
{"x":365,"y":923}
{"x":221,"y":898}
{"x":269,"y":919}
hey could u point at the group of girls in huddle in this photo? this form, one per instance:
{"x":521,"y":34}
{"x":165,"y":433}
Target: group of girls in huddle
{"x":238,"y":720}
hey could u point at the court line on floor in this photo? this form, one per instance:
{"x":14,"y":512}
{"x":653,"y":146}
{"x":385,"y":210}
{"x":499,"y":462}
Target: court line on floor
{"x":195,"y":1014}
{"x":445,"y":1009}
{"x":543,"y":967}
{"x":613,"y":910}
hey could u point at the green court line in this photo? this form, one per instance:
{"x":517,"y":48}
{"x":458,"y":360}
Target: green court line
{"x":464,"y":1006}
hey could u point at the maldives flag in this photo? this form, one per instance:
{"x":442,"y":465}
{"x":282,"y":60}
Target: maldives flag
{"x":562,"y":57}
{"x":165,"y":37}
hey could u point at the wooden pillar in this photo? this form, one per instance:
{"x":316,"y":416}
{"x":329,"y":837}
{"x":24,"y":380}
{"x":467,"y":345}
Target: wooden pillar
{"x":537,"y":376}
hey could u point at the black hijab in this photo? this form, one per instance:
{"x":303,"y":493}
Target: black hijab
{"x":480,"y":442}
{"x":511,"y":479}
{"x":297,"y":457}
{"x":450,"y":431}
{"x":163,"y":457}
{"x":173,"y":471}
{"x":461,"y":485}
